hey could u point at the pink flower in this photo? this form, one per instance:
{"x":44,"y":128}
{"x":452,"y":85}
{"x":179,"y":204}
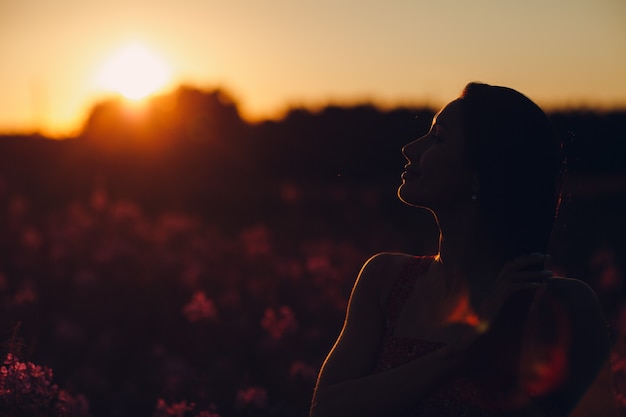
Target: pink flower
{"x":199,"y":308}
{"x":300,"y":370}
{"x":278,"y":323}
{"x":173,"y":410}
{"x":318,"y":264}
{"x":74,"y":406}
{"x":211,"y":412}
{"x":26,"y":294}
{"x":252,"y":397}
{"x":290,"y":193}
{"x":256,"y":241}
{"x":27,"y":390}
{"x":18,"y":206}
{"x":31,"y":238}
{"x":181,"y":409}
{"x":207,"y":413}
{"x":123,"y":211}
{"x":99,"y":199}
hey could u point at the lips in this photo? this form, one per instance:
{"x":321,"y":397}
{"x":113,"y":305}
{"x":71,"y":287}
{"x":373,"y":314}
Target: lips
{"x":410,"y":171}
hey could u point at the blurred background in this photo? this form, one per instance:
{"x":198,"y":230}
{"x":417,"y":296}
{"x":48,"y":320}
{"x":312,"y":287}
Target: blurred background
{"x":188,"y":189}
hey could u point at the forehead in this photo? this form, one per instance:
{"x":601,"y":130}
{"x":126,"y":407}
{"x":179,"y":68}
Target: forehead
{"x":451,"y":115}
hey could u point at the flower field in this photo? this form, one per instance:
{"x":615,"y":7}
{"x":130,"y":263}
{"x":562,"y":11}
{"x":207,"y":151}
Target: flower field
{"x":110,"y":311}
{"x":164,"y":315}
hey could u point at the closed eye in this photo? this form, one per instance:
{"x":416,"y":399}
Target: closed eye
{"x":435,"y":132}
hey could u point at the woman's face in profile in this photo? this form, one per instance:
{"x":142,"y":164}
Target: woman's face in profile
{"x":437,"y":173}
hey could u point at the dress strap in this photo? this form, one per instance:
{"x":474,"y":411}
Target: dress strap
{"x":402,"y":287}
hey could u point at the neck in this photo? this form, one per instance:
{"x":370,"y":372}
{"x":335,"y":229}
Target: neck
{"x":468,"y":254}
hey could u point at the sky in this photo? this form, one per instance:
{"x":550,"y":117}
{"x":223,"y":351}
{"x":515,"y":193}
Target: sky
{"x":274,"y":54}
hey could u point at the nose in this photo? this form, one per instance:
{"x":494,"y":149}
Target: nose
{"x":412,"y":150}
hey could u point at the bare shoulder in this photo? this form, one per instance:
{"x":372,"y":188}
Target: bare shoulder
{"x":579,"y":303}
{"x":378,"y":273}
{"x":384,"y":260}
{"x":355,"y":351}
{"x":570,"y":288}
{"x":575,"y":295}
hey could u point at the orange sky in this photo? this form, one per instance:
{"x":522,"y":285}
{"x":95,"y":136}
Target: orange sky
{"x":278,"y":53}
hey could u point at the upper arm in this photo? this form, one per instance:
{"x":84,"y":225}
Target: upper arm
{"x":354,"y":353}
{"x":599,"y":400}
{"x":590,"y":353}
{"x":590,"y":342}
{"x":579,"y":327}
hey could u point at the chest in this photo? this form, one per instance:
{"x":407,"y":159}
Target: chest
{"x":432,"y":312}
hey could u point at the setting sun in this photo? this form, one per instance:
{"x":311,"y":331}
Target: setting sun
{"x":134,"y":72}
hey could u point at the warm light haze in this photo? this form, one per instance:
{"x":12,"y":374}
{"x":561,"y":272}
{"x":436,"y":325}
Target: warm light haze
{"x":134,"y":72}
{"x":59,"y":57}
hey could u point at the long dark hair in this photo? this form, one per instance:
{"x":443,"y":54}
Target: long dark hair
{"x":515,"y":153}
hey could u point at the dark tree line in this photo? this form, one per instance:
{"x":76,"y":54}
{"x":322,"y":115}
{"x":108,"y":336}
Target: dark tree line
{"x":192,"y":147}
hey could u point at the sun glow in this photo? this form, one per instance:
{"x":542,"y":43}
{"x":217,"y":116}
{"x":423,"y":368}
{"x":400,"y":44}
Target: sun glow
{"x":135,"y":72}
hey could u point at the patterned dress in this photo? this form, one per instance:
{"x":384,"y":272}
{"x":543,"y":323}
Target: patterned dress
{"x":459,"y":398}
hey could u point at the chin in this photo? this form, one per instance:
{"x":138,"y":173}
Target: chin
{"x":405,"y":196}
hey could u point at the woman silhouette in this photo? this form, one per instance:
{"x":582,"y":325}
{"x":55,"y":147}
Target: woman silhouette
{"x":481,"y":329}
